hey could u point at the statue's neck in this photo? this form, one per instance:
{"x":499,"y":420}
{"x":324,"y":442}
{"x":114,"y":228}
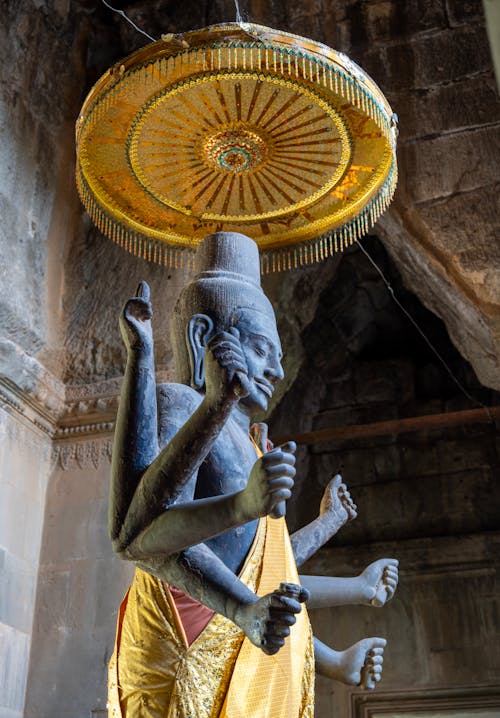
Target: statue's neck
{"x":241,"y":418}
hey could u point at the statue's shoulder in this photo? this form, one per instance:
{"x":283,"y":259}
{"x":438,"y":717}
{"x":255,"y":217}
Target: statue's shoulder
{"x":177,"y":401}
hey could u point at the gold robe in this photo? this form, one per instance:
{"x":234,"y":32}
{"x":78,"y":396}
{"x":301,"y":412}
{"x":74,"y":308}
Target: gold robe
{"x":153,"y":673}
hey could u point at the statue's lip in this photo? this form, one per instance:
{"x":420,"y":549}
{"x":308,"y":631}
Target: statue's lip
{"x":266,"y":387}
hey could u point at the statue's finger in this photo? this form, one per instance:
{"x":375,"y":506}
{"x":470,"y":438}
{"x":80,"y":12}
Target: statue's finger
{"x":143,"y":291}
{"x":287,"y":471}
{"x":367,"y":681}
{"x":289,"y":447}
{"x":277,"y":628}
{"x":378,"y":647}
{"x":278,"y":455}
{"x":390,"y":562}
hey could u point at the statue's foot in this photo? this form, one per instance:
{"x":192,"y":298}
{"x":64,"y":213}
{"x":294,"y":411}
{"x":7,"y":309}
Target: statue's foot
{"x":361,"y":664}
{"x":267,"y":621}
{"x":379,"y":581}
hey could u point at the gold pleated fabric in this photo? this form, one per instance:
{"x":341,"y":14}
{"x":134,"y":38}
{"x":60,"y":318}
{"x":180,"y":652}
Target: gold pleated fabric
{"x":153,"y":673}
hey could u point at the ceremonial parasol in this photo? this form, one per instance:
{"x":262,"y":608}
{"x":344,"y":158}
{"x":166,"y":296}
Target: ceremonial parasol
{"x":236,"y":127}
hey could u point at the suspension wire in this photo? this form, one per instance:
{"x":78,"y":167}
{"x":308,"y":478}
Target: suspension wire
{"x":422,"y":334}
{"x":239,"y":18}
{"x":125,"y":16}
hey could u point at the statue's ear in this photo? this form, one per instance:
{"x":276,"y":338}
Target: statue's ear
{"x":200,"y":330}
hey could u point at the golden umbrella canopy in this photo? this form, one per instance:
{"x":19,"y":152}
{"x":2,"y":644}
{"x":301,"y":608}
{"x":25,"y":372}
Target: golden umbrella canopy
{"x":236,"y":127}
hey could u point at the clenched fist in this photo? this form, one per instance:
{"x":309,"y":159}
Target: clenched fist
{"x":270,"y":483}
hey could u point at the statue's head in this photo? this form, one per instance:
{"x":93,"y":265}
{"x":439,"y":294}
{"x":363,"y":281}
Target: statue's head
{"x":225,"y":292}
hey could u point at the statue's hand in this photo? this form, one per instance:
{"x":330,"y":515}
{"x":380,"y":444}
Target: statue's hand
{"x":361,"y":664}
{"x":135,"y":320}
{"x":337,"y":504}
{"x":225,"y":368}
{"x":380,"y":580}
{"x":267,"y":622}
{"x":270,"y":482}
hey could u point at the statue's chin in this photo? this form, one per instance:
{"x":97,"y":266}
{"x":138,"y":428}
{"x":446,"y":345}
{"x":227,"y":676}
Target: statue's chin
{"x":254,"y":403}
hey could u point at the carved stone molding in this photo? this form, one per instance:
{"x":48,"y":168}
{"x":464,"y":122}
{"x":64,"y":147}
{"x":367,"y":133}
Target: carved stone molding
{"x":426,"y":702}
{"x":91,"y":453}
{"x":63,"y":412}
{"x":23,"y":377}
{"x":14,"y":401}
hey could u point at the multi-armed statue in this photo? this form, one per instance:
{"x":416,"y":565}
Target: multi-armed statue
{"x":214,"y":624}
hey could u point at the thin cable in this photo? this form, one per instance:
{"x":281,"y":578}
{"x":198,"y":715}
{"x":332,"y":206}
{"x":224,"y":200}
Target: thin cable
{"x":123,"y":14}
{"x":239,"y":19}
{"x":424,"y":337}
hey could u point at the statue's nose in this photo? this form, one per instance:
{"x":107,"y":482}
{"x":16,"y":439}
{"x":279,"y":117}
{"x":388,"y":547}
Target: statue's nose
{"x":275,"y":372}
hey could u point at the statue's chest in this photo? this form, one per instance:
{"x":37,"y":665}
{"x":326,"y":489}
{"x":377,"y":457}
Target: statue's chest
{"x":227,"y":467}
{"x":226,"y":471}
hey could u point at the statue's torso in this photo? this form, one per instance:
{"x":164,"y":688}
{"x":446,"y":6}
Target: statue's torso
{"x":225,"y":470}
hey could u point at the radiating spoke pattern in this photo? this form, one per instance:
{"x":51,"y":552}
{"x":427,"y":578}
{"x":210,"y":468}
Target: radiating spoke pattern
{"x":256,"y":151}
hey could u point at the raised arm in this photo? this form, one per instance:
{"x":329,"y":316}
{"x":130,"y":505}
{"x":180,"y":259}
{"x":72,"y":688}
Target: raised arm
{"x":336,"y":509}
{"x":136,"y":434}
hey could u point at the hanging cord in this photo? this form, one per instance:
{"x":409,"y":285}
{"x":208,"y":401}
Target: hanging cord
{"x":424,"y":337}
{"x":239,"y":18}
{"x":125,"y":16}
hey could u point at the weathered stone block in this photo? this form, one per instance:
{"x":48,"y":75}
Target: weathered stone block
{"x":17,"y":592}
{"x":53,"y":599}
{"x":444,"y":108}
{"x":15,"y":648}
{"x":451,"y":163}
{"x":462,"y":11}
{"x":384,"y":381}
{"x":462,"y":454}
{"x":455,"y":54}
{"x":378,"y":22}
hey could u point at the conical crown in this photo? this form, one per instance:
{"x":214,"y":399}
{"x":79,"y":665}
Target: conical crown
{"x":228,"y":254}
{"x":227,"y":279}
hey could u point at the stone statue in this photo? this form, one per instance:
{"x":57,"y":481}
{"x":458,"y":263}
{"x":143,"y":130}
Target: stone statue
{"x":197,"y":503}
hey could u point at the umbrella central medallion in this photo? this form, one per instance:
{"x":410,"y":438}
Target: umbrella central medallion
{"x":235,"y":150}
{"x":238,"y":148}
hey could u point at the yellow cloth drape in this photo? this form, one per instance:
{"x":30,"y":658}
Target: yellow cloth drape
{"x":154,"y":674}
{"x":282,"y":685}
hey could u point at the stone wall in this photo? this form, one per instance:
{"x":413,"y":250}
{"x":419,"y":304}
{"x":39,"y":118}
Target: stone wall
{"x":24,"y":468}
{"x":80,"y":587}
{"x":41,"y":55}
{"x":429,"y":498}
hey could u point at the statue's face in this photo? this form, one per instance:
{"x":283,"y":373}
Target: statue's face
{"x":262,"y":349}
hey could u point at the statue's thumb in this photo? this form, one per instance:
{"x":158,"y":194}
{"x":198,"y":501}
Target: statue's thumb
{"x":278,"y":510}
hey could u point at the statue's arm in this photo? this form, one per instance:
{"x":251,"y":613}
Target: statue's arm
{"x":375,"y":586}
{"x":197,"y":571}
{"x":359,"y":665}
{"x":187,"y":522}
{"x":136,"y":432}
{"x":335,"y":510}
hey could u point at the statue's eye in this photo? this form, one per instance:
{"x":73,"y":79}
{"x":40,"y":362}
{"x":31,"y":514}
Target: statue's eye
{"x":259,"y":350}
